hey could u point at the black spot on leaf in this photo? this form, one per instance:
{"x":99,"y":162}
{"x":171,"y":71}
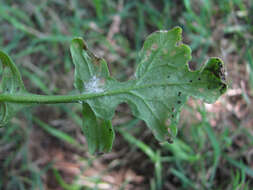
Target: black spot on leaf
{"x":223,"y":88}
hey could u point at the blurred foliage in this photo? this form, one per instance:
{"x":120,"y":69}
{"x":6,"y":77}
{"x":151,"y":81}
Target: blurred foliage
{"x":214,"y":145}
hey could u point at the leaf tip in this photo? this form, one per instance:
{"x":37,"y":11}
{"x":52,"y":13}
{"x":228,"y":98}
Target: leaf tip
{"x":214,"y":75}
{"x":177,"y":29}
{"x":216,"y":66}
{"x":78,"y":41}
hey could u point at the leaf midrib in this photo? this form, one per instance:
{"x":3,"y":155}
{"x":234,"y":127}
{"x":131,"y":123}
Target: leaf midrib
{"x":52,"y":99}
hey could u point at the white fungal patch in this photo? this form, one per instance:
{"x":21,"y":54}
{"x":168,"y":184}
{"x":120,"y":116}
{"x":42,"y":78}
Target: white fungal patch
{"x":94,"y":85}
{"x":163,"y":31}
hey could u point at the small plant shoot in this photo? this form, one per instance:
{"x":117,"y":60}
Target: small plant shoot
{"x":162,"y":84}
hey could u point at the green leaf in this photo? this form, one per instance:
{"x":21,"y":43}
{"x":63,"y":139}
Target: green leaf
{"x":162,"y":84}
{"x":11,"y":83}
{"x":99,"y":132}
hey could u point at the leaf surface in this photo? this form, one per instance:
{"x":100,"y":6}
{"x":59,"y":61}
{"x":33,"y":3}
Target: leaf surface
{"x":162,"y":84}
{"x":98,"y":132}
{"x":11,"y":83}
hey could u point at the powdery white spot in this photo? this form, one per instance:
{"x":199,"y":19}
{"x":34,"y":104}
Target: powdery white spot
{"x":94,"y":85}
{"x":163,"y":31}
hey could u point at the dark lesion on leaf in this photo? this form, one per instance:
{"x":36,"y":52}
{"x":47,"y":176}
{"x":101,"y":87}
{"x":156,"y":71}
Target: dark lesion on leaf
{"x":222,"y":74}
{"x":217,"y":68}
{"x":95,"y":59}
{"x":216,"y":75}
{"x":221,"y":71}
{"x":81,"y":43}
{"x":223,"y":88}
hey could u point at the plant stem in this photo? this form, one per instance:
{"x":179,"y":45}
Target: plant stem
{"x":54,"y":99}
{"x":45,"y":99}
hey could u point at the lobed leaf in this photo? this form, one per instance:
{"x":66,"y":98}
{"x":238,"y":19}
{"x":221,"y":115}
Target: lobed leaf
{"x":89,"y":73}
{"x":11,"y":83}
{"x":99,"y":132}
{"x":163,"y":82}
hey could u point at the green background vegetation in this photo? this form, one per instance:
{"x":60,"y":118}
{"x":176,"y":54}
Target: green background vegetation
{"x":43,"y":147}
